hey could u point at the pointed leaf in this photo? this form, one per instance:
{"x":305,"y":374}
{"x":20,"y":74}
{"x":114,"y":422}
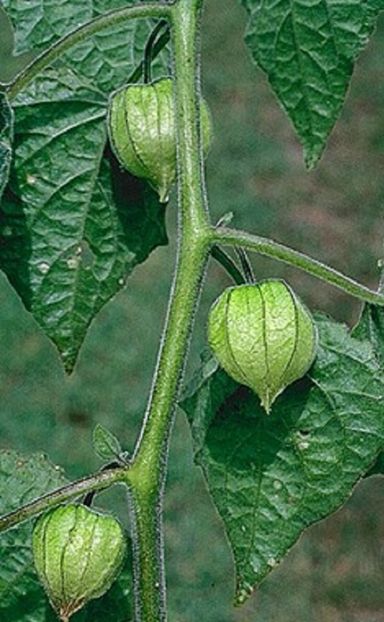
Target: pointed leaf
{"x":105,"y":444}
{"x":73,"y":224}
{"x":273,"y":476}
{"x":307,"y":50}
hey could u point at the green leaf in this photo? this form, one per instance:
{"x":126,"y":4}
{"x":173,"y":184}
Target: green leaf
{"x":105,"y":444}
{"x":273,"y":476}
{"x":22,"y":599}
{"x":307,"y":51}
{"x":371,"y":327}
{"x":22,"y":480}
{"x":73,"y":224}
{"x":6,"y":138}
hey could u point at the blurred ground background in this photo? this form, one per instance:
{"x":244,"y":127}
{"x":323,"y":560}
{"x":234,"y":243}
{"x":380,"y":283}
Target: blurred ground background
{"x":335,"y":572}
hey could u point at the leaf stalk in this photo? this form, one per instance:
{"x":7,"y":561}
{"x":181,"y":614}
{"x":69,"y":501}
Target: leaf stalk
{"x":292,"y":257}
{"x":94,"y":483}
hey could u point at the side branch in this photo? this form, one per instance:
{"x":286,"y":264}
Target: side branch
{"x":270,"y":248}
{"x":46,"y":58}
{"x":97,"y":482}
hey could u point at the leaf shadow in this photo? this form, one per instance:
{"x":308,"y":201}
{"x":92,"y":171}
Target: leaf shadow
{"x":15,"y":245}
{"x":255,"y":437}
{"x":141,"y":215}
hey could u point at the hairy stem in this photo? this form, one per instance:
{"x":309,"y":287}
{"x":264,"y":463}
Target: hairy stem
{"x":46,"y":58}
{"x":99,"y":481}
{"x":148,"y":471}
{"x":270,"y":248}
{"x":147,"y":476}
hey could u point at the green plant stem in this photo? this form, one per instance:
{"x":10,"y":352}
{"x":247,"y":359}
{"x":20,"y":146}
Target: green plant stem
{"x":159,"y":45}
{"x":148,"y":471}
{"x":149,"y":52}
{"x":147,"y":476}
{"x":246,"y":265}
{"x":99,"y":481}
{"x":46,"y":58}
{"x":270,"y":248}
{"x":228,"y":264}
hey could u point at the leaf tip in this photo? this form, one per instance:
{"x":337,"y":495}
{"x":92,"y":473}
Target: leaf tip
{"x":68,"y":353}
{"x":243,"y":592}
{"x":312,"y":155}
{"x":68,"y":364}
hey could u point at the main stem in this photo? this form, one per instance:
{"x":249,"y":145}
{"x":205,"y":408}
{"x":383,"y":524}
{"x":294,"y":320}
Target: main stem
{"x":147,"y":475}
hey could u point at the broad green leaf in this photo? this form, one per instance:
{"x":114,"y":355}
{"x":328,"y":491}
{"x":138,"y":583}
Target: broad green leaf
{"x":22,"y":599}
{"x":307,"y":50}
{"x":21,"y":480}
{"x":73,"y":224}
{"x":6,"y":137}
{"x":104,"y":59}
{"x":105,"y":444}
{"x":273,"y":476}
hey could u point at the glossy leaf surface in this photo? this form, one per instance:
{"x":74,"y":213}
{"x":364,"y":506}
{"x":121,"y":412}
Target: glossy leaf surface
{"x":73,"y":225}
{"x":271,"y":477}
{"x":307,"y":50}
